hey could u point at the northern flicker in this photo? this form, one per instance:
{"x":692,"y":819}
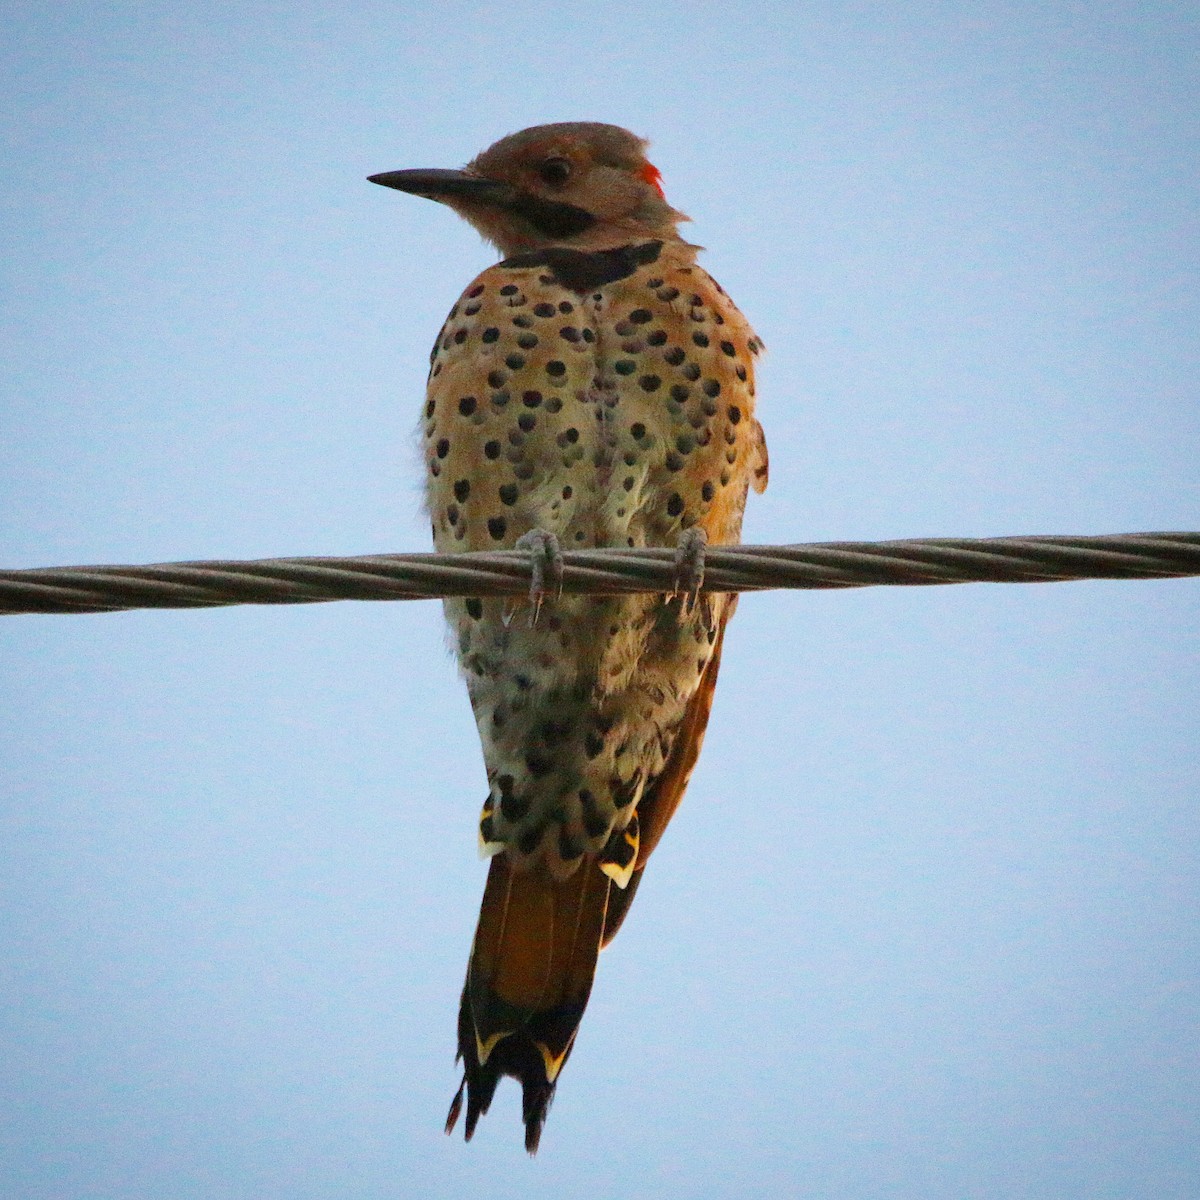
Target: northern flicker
{"x":594,"y":388}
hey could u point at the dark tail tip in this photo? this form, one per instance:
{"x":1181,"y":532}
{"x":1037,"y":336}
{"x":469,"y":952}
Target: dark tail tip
{"x":535,"y":1106}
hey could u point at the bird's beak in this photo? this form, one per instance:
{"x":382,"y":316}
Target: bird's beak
{"x":473,"y":194}
{"x":447,"y":186}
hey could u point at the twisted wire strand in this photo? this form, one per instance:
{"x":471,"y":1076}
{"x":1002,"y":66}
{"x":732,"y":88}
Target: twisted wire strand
{"x":1038,"y":559}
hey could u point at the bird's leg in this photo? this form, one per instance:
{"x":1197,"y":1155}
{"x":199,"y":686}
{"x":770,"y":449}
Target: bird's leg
{"x":689,"y":567}
{"x":545,"y":559}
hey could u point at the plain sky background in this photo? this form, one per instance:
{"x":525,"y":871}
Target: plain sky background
{"x":927,"y":923}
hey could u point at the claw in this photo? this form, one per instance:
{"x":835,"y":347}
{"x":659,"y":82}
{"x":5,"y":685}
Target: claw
{"x":689,"y":567}
{"x":545,"y":558}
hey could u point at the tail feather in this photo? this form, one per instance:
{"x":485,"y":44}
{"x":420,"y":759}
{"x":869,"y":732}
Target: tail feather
{"x":528,"y":982}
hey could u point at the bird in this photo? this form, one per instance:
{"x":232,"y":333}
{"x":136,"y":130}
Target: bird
{"x":593,"y":388}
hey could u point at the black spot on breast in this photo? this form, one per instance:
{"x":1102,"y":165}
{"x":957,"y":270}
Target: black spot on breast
{"x":626,"y":366}
{"x":467,"y":405}
{"x":641,"y":316}
{"x":492,"y":449}
{"x":443,"y":447}
{"x":527,"y":421}
{"x":649,"y":383}
{"x":543,"y":310}
{"x":527,"y":341}
{"x":728,"y":348}
{"x":680,"y":392}
{"x":656,"y":337}
{"x":538,"y":765}
{"x":509,"y":289}
{"x":462,"y":489}
{"x":489,"y":335}
{"x":735,"y":414}
{"x":638,"y":430}
{"x":556,"y":369}
{"x":623,"y":791}
{"x":508,"y":493}
{"x":707,"y":492}
{"x":712,"y":387}
{"x":595,"y":823}
{"x":429,"y":408}
{"x":701,"y":339}
{"x":514,"y":362}
{"x":675,"y":504}
{"x":474,"y":608}
{"x":531,"y":399}
{"x":496,"y":379}
{"x":513,"y":807}
{"x":674,"y":356}
{"x":460,"y":336}
{"x":496,"y":527}
{"x":569,"y":334}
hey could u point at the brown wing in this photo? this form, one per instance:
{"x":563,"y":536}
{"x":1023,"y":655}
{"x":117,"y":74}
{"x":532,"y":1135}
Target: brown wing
{"x":660,"y":800}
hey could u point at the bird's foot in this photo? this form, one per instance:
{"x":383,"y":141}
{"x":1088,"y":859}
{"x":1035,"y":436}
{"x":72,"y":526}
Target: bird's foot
{"x":545,"y":563}
{"x":689,"y":567}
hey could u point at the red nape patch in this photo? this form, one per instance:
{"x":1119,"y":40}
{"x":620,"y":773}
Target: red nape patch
{"x":653,"y":176}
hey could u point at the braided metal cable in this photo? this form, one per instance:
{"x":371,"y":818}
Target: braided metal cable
{"x":507,"y":573}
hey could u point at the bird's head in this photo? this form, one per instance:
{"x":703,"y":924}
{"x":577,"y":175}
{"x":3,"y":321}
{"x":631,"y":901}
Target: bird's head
{"x":579,"y":184}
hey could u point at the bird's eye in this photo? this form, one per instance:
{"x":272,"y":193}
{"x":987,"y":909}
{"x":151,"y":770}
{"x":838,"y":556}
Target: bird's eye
{"x":555,"y":171}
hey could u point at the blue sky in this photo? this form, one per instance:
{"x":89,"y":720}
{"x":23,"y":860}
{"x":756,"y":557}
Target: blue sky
{"x":926,"y":924}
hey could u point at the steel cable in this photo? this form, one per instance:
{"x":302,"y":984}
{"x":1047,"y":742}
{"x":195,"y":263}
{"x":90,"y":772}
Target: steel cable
{"x":210,"y":584}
